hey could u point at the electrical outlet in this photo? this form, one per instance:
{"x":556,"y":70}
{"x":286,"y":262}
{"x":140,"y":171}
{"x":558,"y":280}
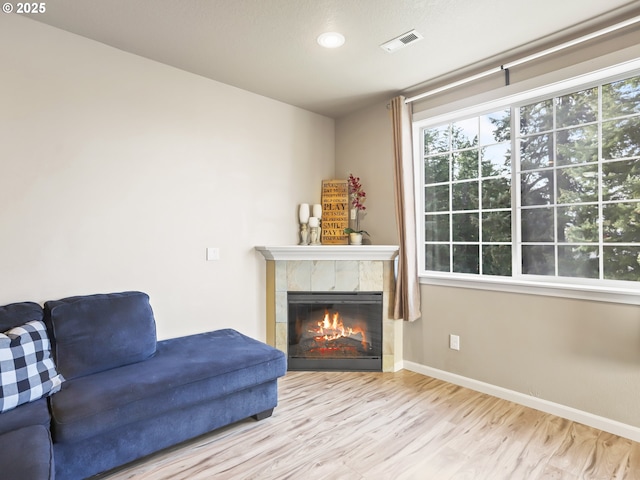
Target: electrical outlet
{"x":454,"y":342}
{"x":213,"y":253}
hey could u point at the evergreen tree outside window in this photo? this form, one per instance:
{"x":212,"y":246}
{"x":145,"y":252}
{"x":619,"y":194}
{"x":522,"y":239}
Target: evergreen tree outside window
{"x":549,"y":189}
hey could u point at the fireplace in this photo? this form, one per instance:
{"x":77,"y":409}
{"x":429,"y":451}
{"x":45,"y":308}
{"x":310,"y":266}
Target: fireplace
{"x":335,"y":331}
{"x":335,"y":269}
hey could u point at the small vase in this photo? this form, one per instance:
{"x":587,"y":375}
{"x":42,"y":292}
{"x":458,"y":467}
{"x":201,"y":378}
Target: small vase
{"x":355,"y":238}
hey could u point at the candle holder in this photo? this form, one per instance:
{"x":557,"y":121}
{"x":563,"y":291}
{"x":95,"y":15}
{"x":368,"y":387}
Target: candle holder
{"x":303,"y":216}
{"x":304,"y":234}
{"x":315,"y":235}
{"x":317,"y":212}
{"x":314,"y":227}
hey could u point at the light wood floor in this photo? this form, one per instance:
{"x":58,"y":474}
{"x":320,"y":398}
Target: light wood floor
{"x":400,"y":425}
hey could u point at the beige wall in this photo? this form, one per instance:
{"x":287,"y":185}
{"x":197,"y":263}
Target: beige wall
{"x":364,"y":147}
{"x":581,"y":354}
{"x":118,"y":172}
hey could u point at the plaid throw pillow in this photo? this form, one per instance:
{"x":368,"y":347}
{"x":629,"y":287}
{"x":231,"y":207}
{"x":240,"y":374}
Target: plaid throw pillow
{"x":27,"y":371}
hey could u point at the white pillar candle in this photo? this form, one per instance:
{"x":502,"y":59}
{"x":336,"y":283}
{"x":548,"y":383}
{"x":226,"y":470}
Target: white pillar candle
{"x":317,"y":210}
{"x":313,"y":222}
{"x":304,"y":212}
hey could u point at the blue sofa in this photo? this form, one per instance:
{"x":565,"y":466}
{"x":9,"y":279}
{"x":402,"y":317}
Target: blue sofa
{"x":126,"y":395}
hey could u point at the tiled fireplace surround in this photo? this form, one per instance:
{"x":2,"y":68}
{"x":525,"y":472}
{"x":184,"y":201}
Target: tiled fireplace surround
{"x":332,"y":268}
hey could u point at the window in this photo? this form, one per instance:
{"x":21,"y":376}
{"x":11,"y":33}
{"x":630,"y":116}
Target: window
{"x":467,"y":195}
{"x":547,"y":189}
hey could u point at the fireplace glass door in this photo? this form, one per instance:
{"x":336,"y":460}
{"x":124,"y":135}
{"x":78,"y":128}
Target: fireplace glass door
{"x":335,"y":331}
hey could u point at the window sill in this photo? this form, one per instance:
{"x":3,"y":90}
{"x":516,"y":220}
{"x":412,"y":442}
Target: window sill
{"x":501,"y":284}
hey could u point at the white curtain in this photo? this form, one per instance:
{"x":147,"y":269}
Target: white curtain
{"x":407,"y":295}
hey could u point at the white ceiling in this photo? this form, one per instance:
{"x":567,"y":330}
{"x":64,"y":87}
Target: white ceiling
{"x":269,"y":46}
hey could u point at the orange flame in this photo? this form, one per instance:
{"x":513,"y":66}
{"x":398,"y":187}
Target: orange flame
{"x":332,"y":328}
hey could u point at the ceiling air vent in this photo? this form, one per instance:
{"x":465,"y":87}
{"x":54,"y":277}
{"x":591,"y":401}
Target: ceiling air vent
{"x":401,"y":41}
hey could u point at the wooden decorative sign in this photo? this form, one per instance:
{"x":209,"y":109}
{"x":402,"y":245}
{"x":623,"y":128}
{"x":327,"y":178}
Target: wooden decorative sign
{"x":335,"y":212}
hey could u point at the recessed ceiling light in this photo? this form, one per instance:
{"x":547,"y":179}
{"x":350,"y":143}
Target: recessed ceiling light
{"x":331,"y":40}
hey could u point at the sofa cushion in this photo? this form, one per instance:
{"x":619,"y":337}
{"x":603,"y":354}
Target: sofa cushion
{"x":17,"y":314}
{"x":184,"y":371}
{"x":27,"y":454}
{"x":34,"y":413}
{"x":27,"y":372}
{"x":94,"y":333}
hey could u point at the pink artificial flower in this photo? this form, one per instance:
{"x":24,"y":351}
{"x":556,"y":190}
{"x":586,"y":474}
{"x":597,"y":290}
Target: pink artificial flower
{"x":358,"y":196}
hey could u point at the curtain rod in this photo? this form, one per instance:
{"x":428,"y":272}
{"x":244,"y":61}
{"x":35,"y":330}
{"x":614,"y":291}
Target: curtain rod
{"x":505,"y":67}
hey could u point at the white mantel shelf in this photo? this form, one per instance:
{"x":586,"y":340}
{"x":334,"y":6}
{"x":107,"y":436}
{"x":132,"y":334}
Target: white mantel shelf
{"x":329,"y":252}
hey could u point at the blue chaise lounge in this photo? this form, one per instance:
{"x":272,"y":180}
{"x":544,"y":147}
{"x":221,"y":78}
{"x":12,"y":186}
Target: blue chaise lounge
{"x":126,"y":395}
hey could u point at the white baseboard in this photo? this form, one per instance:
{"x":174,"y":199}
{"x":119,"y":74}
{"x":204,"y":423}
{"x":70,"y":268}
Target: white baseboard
{"x":586,"y":418}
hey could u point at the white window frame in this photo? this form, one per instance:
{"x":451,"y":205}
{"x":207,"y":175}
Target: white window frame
{"x":588,"y":289}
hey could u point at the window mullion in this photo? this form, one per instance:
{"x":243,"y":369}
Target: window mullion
{"x":600,"y":195}
{"x":450,"y":198}
{"x":554,"y":162}
{"x":516,"y":249}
